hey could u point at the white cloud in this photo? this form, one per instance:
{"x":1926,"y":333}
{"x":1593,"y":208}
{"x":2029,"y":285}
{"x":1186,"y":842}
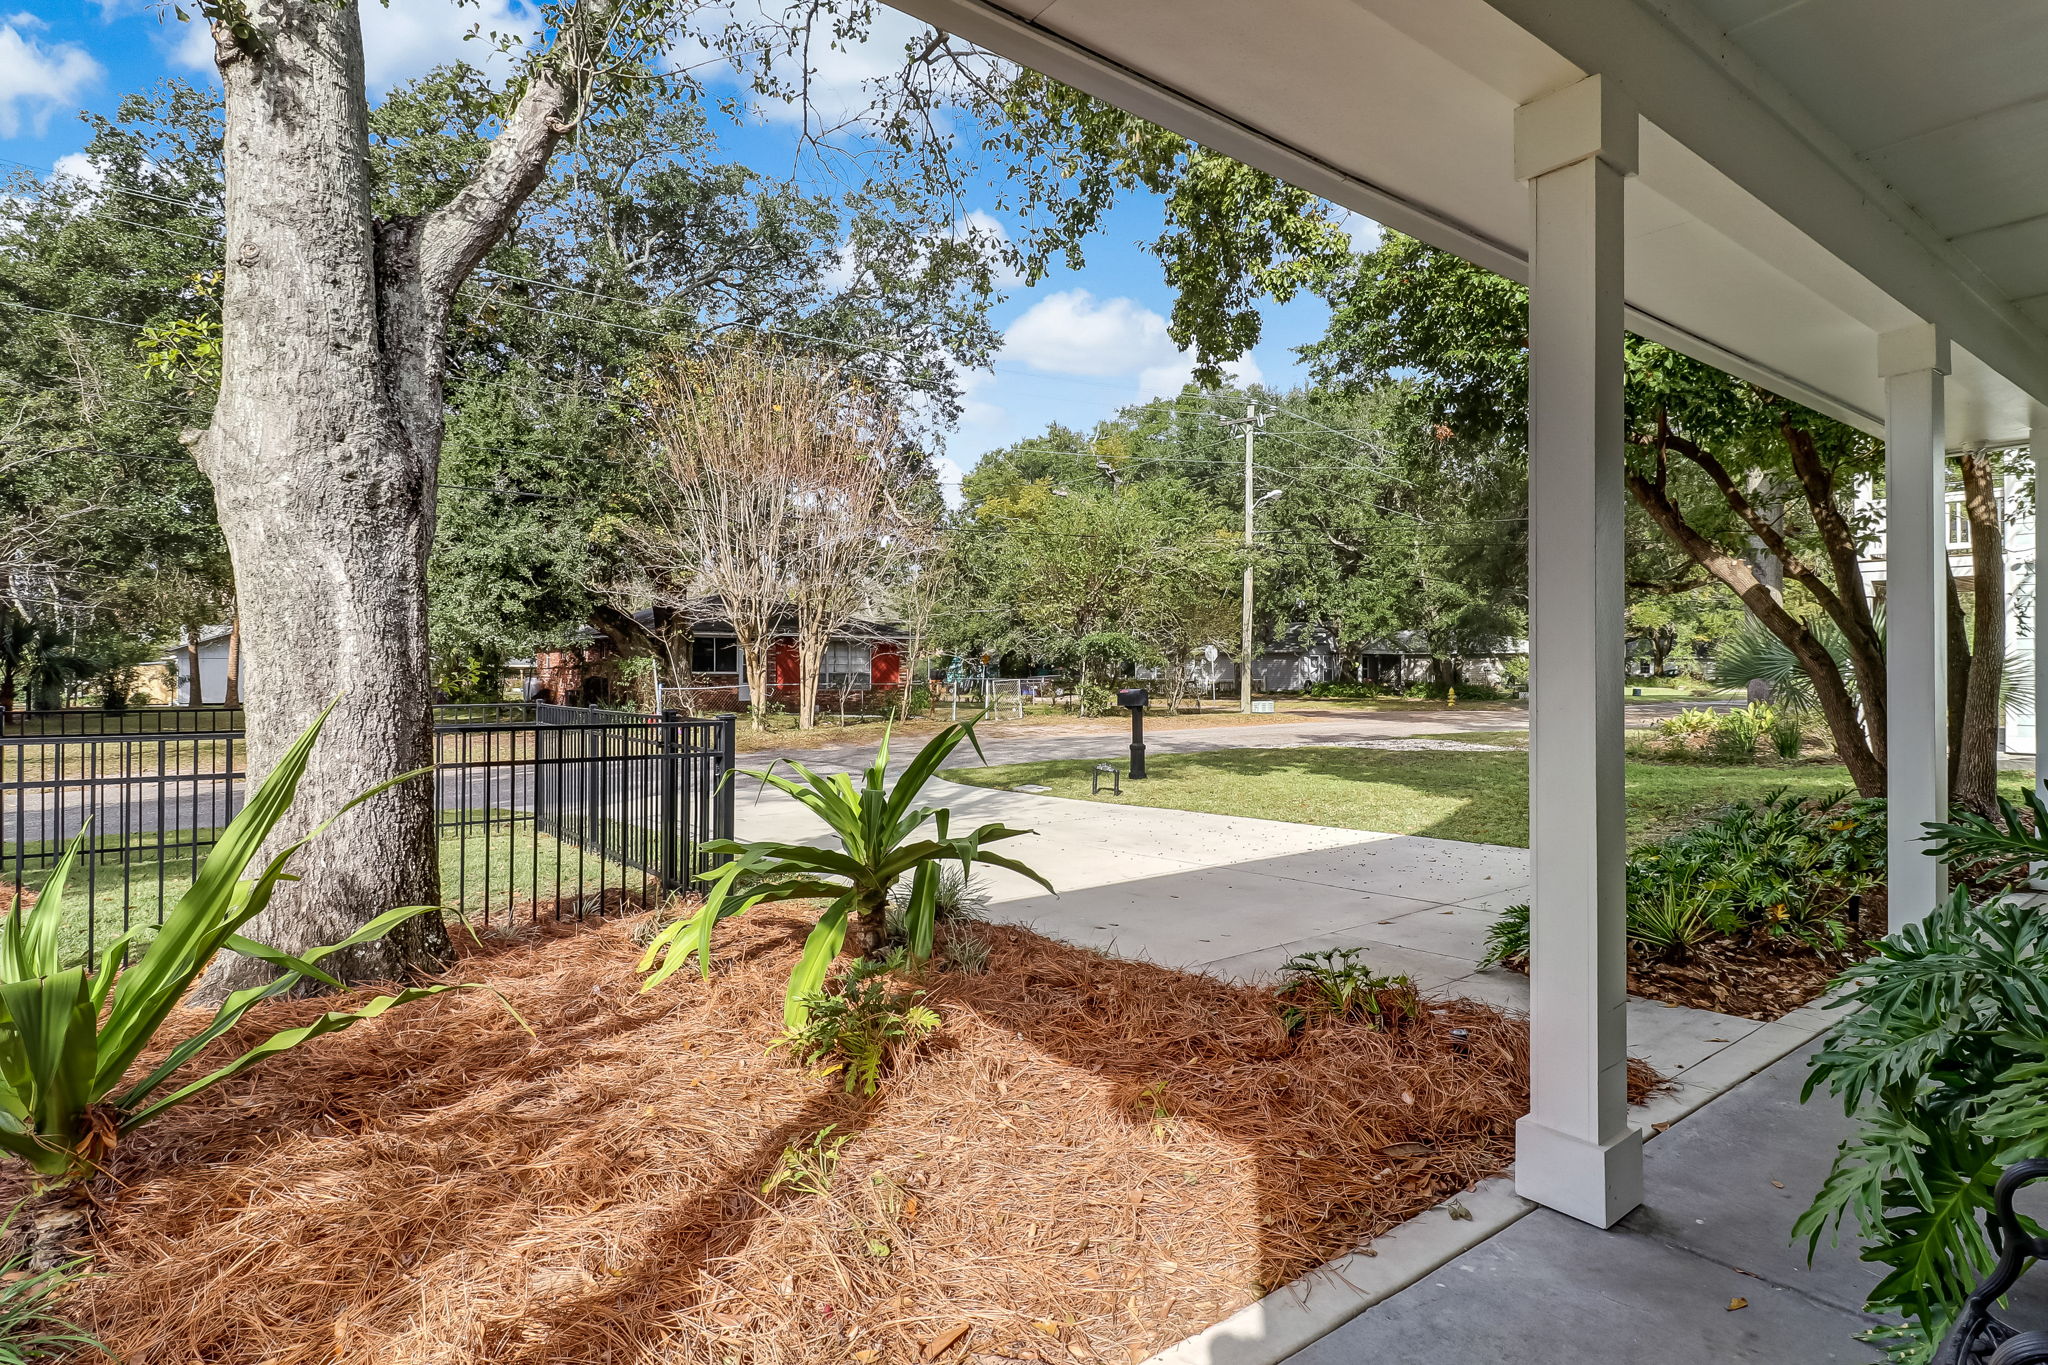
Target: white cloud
{"x":1365,"y":234}
{"x":986,"y":231}
{"x":408,"y":38}
{"x":950,"y":474}
{"x":1073,"y":332}
{"x":978,"y":412}
{"x":39,"y":77}
{"x":1165,"y":381}
{"x":78,"y":166}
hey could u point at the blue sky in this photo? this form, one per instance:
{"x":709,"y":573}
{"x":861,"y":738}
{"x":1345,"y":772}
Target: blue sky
{"x":1078,"y":345}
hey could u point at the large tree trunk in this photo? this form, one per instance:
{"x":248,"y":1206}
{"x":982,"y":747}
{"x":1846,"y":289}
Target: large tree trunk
{"x":1959,"y":669}
{"x":323,"y":454}
{"x":1976,"y":759}
{"x":753,"y":648}
{"x":325,"y":492}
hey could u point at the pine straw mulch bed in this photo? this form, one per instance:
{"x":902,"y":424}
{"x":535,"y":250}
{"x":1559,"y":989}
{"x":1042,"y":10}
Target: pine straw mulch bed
{"x":1092,"y":1159}
{"x":1758,"y":979}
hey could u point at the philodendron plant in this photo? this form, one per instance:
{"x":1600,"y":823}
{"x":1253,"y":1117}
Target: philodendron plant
{"x":874,"y":825}
{"x":70,"y":1035}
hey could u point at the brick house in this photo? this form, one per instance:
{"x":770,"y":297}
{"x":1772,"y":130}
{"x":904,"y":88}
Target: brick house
{"x":865,"y":656}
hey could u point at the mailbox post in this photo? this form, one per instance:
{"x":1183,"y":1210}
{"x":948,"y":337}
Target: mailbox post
{"x":1133,"y":699}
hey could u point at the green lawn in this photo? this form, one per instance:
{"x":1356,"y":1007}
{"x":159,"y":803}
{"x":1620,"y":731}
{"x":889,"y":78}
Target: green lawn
{"x":488,"y":878}
{"x":1477,"y":798}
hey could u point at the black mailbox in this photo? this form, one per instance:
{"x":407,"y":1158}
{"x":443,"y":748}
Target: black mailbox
{"x":1133,"y":700}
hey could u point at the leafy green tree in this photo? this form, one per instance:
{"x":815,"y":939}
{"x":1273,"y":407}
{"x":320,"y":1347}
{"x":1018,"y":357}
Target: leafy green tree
{"x":1736,"y":477}
{"x":1073,"y":573}
{"x":101,"y":505}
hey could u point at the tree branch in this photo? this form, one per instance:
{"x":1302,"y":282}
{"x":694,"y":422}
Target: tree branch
{"x":454,"y":237}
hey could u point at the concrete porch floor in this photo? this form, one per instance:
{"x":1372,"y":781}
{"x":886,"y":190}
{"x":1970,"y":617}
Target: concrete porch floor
{"x":1724,"y":1187}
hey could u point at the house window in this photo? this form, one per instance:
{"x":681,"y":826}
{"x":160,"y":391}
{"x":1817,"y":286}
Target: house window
{"x":846,"y":664}
{"x":714,"y":654}
{"x":1958,"y":525}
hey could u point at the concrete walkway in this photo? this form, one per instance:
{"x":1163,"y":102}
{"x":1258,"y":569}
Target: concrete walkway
{"x":1724,"y":1187}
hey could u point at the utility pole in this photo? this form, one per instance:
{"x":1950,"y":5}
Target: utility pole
{"x":1252,"y":421}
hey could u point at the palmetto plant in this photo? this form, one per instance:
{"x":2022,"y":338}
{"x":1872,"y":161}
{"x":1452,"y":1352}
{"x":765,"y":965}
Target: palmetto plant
{"x":70,"y":1035}
{"x":875,"y":826}
{"x":1753,"y":654}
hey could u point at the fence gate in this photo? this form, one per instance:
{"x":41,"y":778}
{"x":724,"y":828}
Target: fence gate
{"x":536,"y":820}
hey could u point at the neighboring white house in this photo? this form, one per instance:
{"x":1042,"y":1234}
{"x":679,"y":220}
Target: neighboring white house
{"x":2016,"y":735}
{"x":213,"y":668}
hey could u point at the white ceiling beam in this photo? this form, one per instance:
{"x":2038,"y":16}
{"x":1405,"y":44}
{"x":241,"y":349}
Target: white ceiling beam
{"x":1025,"y":42}
{"x":1698,"y":86}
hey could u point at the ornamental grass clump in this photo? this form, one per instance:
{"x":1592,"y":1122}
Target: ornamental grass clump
{"x":874,"y":824}
{"x":70,"y":1035}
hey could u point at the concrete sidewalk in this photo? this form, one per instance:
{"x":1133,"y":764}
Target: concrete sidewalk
{"x":1723,"y":1189}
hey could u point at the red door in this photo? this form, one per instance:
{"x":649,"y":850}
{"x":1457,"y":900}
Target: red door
{"x":885,"y":664}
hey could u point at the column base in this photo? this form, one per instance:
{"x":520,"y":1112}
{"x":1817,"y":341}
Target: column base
{"x":1594,"y":1183}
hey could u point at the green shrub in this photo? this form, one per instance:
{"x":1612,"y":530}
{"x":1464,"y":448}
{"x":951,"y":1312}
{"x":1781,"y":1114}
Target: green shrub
{"x":1779,"y":867}
{"x":1736,"y":732}
{"x":959,"y":897}
{"x":857,"y":1029}
{"x":32,"y":1325}
{"x":1507,"y":942}
{"x":966,"y":952}
{"x":873,"y":825}
{"x":1097,"y":700}
{"x":1691,"y":722}
{"x":1788,"y":736}
{"x":1337,"y":983}
{"x":1941,"y":1057}
{"x":1346,"y":691}
{"x":1436,"y":691}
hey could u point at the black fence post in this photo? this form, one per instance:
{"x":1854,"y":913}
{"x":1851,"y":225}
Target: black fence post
{"x":671,"y":859}
{"x":724,"y":778}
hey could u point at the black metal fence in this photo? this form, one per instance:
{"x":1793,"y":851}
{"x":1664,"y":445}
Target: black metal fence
{"x":536,"y":820}
{"x":134,"y":720}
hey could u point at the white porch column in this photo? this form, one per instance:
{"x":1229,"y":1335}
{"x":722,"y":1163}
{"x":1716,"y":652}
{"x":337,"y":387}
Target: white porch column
{"x":1913,"y":362}
{"x":2037,"y":451}
{"x":1575,"y":1150}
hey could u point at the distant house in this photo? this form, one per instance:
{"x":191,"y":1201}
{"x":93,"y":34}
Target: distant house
{"x":864,"y":656}
{"x":1302,"y":654}
{"x":168,"y":681}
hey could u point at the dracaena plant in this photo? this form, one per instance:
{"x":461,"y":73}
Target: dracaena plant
{"x":879,"y":829}
{"x":71,"y":1035}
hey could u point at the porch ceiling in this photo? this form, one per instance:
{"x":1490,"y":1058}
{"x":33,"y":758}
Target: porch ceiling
{"x":1813,"y":172}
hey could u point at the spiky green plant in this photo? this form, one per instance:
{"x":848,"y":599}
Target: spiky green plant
{"x":70,"y":1035}
{"x":874,"y":824}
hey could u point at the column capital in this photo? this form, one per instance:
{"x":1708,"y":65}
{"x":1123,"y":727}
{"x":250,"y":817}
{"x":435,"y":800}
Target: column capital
{"x":1923,"y":346}
{"x":1593,"y":117}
